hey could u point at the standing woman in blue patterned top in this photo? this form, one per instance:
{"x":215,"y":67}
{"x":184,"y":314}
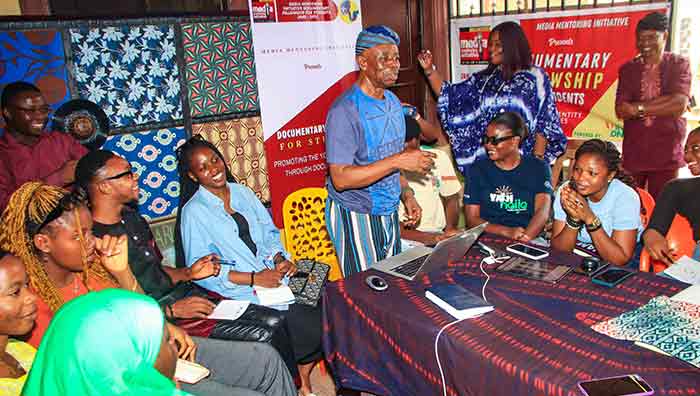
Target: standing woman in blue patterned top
{"x":510,"y":83}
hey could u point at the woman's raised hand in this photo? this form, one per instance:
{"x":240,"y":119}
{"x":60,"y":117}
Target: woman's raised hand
{"x":113,"y":252}
{"x":575,"y":205}
{"x":425,"y":59}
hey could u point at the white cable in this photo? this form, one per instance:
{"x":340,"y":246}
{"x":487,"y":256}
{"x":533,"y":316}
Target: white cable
{"x":437,"y":356}
{"x":481,"y":267}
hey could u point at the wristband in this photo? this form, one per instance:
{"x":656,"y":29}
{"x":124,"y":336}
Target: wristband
{"x":279,"y":257}
{"x":571,"y":223}
{"x":252,"y":279}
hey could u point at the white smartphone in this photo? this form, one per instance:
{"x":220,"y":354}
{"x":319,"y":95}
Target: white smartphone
{"x":528,"y":251}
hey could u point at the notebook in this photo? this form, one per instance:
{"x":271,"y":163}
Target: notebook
{"x":422,"y":259}
{"x":457,"y":301}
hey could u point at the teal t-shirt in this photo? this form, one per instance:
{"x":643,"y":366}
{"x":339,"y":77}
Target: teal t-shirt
{"x":507,"y":197}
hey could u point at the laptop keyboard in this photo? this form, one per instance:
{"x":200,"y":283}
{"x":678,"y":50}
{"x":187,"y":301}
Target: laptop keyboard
{"x":410,"y":268}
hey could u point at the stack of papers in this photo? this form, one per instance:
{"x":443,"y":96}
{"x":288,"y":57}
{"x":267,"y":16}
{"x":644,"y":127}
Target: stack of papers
{"x":685,"y":270}
{"x":272,"y":296}
{"x":458,"y":301}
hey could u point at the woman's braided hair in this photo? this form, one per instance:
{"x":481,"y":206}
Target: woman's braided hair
{"x":608,"y":152}
{"x":31,"y":209}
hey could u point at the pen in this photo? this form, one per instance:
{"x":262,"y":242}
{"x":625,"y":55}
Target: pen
{"x":227,"y":262}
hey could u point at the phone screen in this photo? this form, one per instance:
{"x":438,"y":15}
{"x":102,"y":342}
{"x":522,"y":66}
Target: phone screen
{"x":618,"y":386}
{"x":529,"y":250}
{"x":612,"y":275}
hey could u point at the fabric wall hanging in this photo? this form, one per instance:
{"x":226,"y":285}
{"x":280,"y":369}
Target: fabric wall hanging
{"x":35,"y":56}
{"x":152,"y":155}
{"x":242,"y":145}
{"x":220,"y":69}
{"x":130,"y":71}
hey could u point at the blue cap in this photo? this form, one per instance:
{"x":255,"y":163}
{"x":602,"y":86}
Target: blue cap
{"x":375,"y":35}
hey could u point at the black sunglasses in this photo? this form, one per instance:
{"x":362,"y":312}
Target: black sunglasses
{"x":494,"y":140}
{"x":130,"y":172}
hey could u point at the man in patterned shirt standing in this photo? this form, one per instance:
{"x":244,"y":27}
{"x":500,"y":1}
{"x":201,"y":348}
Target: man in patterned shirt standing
{"x":365,"y":152}
{"x":652,"y":94}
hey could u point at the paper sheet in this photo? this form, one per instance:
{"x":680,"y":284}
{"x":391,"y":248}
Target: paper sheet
{"x":689,"y":295}
{"x":229,"y":309}
{"x":281,"y":295}
{"x":685,"y":270}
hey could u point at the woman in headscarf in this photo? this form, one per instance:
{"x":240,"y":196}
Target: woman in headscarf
{"x":112,"y":342}
{"x":17,"y":314}
{"x":510,"y":82}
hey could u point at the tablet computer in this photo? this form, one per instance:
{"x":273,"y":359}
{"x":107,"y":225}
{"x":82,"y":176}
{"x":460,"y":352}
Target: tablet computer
{"x":534,"y":269}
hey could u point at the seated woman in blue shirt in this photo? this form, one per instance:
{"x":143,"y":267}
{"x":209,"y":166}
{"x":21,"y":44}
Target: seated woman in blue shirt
{"x":218,"y":215}
{"x":509,"y":190}
{"x":598,"y":210}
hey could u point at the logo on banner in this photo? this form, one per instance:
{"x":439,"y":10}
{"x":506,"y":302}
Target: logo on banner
{"x":349,"y":11}
{"x":474,"y":45}
{"x":263,"y":11}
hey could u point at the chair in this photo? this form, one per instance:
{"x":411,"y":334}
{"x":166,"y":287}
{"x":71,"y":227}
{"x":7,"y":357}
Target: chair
{"x":648,"y":203}
{"x":679,"y":237}
{"x":305,"y":233}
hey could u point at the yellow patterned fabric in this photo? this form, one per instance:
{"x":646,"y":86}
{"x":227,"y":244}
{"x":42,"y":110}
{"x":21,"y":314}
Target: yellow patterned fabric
{"x":306,"y":236}
{"x":24,"y":354}
{"x":243,"y":146}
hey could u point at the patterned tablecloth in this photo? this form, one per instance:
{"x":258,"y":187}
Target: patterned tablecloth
{"x":538,"y":341}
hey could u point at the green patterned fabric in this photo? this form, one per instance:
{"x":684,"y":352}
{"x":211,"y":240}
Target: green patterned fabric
{"x":220,"y":69}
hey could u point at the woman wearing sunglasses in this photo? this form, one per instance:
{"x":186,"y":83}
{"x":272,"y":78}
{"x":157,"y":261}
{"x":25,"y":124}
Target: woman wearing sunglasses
{"x":510,"y":191}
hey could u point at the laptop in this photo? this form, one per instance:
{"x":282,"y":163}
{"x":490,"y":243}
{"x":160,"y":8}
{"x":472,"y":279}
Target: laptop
{"x":422,"y":259}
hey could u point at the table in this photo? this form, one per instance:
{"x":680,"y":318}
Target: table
{"x":536,"y":342}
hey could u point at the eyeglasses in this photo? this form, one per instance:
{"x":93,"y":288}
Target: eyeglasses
{"x":130,"y":173}
{"x":494,"y":141}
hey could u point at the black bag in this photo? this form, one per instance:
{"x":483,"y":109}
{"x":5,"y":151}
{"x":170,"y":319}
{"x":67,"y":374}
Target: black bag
{"x":308,"y":282}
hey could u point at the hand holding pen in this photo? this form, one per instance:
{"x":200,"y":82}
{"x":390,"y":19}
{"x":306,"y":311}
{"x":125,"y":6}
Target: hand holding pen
{"x":205,"y":267}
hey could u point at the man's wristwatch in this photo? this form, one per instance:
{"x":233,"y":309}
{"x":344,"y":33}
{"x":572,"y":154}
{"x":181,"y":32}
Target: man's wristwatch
{"x":594,"y":225}
{"x":640,"y":110}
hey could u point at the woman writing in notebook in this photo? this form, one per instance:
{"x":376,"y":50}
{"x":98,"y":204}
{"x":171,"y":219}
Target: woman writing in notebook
{"x":598,"y":210}
{"x":218,"y":215}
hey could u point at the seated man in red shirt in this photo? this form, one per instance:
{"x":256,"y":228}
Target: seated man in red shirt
{"x":28,"y":152}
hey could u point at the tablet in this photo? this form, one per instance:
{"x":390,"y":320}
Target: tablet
{"x":534,"y":269}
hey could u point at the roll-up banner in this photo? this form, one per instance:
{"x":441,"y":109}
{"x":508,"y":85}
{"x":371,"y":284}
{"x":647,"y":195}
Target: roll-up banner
{"x":304,"y":58}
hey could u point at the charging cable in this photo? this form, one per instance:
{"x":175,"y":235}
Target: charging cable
{"x":437,"y":355}
{"x":490,"y":259}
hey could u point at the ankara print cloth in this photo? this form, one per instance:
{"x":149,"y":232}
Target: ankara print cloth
{"x":242,"y":144}
{"x":152,"y":157}
{"x":220,"y":68}
{"x":129,"y":71}
{"x":37,"y":57}
{"x":466,"y":108}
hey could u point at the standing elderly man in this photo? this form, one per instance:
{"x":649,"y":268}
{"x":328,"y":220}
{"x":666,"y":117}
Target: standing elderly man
{"x":652,"y":95}
{"x":365,"y":133}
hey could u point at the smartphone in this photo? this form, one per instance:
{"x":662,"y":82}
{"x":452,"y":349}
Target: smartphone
{"x":528,"y":251}
{"x":611,"y":276}
{"x":624,"y":385}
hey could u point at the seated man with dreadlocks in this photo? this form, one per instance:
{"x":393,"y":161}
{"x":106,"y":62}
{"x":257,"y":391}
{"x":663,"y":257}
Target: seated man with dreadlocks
{"x":113,"y":190}
{"x":49,"y":229}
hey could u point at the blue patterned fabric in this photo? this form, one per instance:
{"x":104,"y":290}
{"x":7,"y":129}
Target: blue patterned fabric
{"x":152,"y":156}
{"x":130,"y":71}
{"x":466,"y":108}
{"x":669,"y":325}
{"x":36,"y":57}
